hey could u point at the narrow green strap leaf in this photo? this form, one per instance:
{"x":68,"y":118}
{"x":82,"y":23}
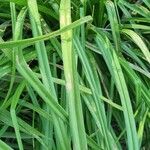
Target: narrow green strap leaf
{"x":45,"y":70}
{"x":147,"y":2}
{"x":30,"y":41}
{"x":113,"y":64}
{"x":114,"y":23}
{"x":13,"y":113}
{"x":72,"y":83}
{"x":4,"y":146}
{"x":138,"y":41}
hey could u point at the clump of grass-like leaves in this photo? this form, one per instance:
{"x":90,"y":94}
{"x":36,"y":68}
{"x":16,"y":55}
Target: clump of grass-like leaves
{"x":74,"y":74}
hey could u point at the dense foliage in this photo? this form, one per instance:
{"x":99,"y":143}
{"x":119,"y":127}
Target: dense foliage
{"x":74,"y":74}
